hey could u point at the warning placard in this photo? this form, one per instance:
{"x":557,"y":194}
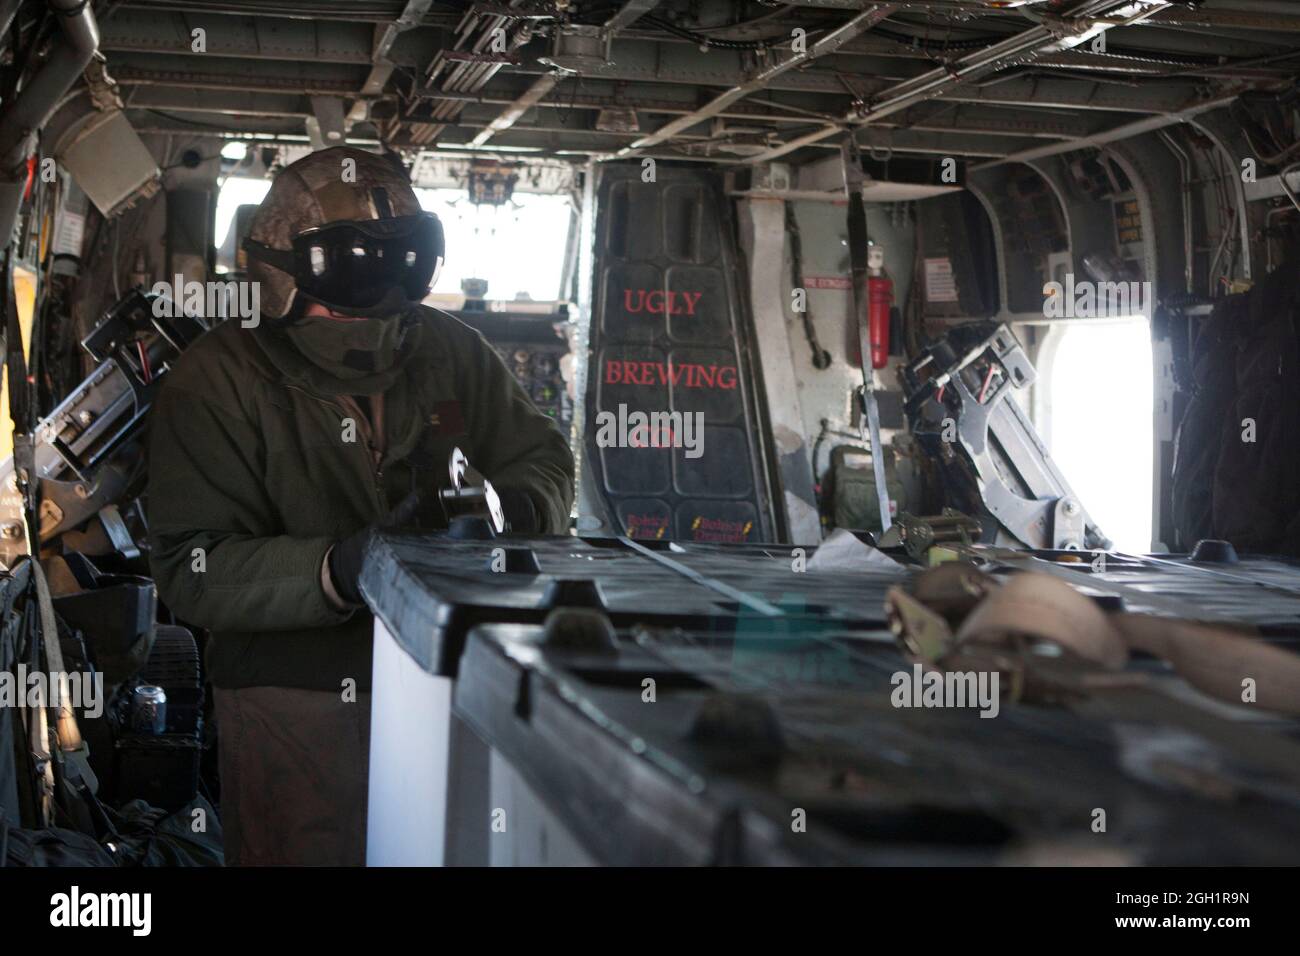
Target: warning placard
{"x":828,"y":282}
{"x":940,"y":286}
{"x":68,"y":237}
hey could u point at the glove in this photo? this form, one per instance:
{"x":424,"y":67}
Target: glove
{"x":347,"y":556}
{"x":519,"y":511}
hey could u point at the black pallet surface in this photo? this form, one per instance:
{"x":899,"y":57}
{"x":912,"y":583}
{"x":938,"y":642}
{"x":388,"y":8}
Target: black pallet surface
{"x":747,"y":733}
{"x":772,"y":703}
{"x":429,"y":590}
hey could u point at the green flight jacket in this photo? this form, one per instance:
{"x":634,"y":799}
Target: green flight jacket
{"x":251,"y":480}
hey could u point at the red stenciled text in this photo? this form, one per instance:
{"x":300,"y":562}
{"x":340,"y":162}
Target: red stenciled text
{"x":659,"y":302}
{"x":687,"y":375}
{"x":646,"y":526}
{"x":719,"y":529}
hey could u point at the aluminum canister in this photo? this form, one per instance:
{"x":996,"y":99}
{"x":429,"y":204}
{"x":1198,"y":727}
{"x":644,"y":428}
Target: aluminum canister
{"x":149,"y":710}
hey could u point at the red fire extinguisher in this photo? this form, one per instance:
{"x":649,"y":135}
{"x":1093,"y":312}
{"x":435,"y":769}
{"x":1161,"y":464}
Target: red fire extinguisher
{"x":880,"y":299}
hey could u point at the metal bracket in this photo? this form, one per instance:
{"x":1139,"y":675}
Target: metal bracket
{"x":118,"y":533}
{"x":1067,"y":525}
{"x":1018,"y":483}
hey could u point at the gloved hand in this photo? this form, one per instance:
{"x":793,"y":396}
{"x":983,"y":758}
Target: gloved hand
{"x":346,"y":557}
{"x":519,"y":511}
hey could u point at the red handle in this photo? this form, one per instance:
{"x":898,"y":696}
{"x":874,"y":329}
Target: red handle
{"x":880,"y":298}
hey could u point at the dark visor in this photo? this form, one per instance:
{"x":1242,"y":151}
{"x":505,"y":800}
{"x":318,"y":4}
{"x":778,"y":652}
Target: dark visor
{"x":354,"y":264}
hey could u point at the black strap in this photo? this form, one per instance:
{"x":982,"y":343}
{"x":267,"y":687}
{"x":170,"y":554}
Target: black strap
{"x":281,"y":259}
{"x":858,"y":242}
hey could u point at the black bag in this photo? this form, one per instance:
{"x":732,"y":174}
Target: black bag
{"x":145,"y":836}
{"x":1237,"y":452}
{"x":1196,"y":445}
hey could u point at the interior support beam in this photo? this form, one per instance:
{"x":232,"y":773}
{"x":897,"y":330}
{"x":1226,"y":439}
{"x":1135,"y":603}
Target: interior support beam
{"x":1021,"y":48}
{"x":826,"y":44}
{"x":1113,"y":135}
{"x":626,"y":15}
{"x":385,"y":36}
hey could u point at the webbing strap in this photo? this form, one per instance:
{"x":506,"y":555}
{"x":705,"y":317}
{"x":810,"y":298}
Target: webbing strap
{"x":858,"y":242}
{"x":721,"y":587}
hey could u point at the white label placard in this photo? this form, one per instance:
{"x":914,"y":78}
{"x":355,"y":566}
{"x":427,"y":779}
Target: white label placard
{"x":67,"y":239}
{"x":940,"y":286}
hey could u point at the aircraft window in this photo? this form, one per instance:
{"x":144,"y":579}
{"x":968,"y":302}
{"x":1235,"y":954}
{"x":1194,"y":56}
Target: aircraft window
{"x":1099,"y":422}
{"x":518,"y":247}
{"x":233,"y":193}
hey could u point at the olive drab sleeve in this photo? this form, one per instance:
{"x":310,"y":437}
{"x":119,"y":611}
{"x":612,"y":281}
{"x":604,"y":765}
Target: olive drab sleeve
{"x":516,"y":446}
{"x":215,"y":560}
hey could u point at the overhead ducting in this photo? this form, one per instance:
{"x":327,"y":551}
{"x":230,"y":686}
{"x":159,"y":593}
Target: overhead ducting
{"x":22,"y":119}
{"x":578,"y":49}
{"x":113,"y":187}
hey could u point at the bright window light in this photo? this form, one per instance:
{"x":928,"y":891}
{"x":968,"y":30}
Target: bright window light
{"x":236,"y":192}
{"x":518,"y":247}
{"x":1101,"y":431}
